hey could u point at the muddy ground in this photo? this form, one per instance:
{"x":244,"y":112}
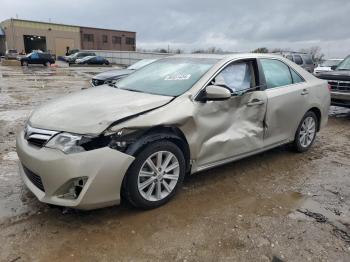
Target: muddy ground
{"x":276,"y":205}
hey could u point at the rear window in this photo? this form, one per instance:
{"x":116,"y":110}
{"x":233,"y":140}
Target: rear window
{"x":308,"y":60}
{"x":298,"y":60}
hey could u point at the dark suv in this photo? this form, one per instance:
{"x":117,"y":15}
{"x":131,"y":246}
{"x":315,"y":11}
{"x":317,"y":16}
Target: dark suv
{"x":339,"y":82}
{"x":37,"y":58}
{"x":302,"y":59}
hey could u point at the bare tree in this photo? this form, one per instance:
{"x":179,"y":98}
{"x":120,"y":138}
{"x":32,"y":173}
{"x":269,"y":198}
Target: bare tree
{"x":315,"y":52}
{"x":261,"y":50}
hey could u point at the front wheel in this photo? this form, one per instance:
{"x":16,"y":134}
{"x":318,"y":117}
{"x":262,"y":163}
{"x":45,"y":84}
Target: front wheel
{"x":155,"y":175}
{"x":306,"y":132}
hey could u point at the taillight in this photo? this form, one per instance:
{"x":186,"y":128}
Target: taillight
{"x":329,"y":87}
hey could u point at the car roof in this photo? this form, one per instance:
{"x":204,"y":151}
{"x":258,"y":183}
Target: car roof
{"x":229,"y":56}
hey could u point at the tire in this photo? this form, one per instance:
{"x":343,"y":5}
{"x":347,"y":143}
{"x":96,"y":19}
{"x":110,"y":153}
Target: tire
{"x":106,"y":63}
{"x":161,"y":189}
{"x":47,"y":64}
{"x":307,"y":129}
{"x":24,"y":63}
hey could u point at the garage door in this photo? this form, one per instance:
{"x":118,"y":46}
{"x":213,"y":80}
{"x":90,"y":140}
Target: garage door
{"x":61,"y":45}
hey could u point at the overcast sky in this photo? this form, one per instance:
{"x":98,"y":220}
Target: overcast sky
{"x":234,"y":25}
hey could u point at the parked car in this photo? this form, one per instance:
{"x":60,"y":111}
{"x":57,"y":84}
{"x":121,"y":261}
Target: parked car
{"x":303,"y":60}
{"x":71,"y":58}
{"x":11,"y":54}
{"x":327,"y":65}
{"x":92,"y":60}
{"x":73,"y":51}
{"x":339,"y":83}
{"x":181,"y":114}
{"x":37,"y":58}
{"x":113,"y":75}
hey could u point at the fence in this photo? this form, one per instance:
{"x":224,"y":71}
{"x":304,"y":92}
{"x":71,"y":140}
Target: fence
{"x":127,"y":58}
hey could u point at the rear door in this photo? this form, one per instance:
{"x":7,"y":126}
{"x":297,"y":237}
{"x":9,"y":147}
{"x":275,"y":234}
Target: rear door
{"x":287,"y":100}
{"x":232,"y":127}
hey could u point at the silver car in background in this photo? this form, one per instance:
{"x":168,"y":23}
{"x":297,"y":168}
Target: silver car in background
{"x":179,"y":115}
{"x":111,"y":76}
{"x":327,"y":65}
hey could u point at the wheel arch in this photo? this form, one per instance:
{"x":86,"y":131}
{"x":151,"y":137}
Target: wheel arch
{"x":318,"y":114}
{"x":171,"y":133}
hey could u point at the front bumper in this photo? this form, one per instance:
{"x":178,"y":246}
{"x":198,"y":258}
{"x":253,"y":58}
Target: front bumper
{"x":105,"y":169}
{"x":340,"y":98}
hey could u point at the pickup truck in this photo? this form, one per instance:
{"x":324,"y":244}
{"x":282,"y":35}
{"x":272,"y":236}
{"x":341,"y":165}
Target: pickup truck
{"x":339,"y":83}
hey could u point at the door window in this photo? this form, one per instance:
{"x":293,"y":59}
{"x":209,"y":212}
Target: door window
{"x":298,"y":60}
{"x":276,"y":73}
{"x":237,"y":77}
{"x":296,"y":78}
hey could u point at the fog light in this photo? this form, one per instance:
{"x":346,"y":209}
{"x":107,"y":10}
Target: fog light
{"x":72,"y":189}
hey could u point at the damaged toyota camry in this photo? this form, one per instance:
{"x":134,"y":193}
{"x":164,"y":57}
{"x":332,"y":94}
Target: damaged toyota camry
{"x":136,"y":140}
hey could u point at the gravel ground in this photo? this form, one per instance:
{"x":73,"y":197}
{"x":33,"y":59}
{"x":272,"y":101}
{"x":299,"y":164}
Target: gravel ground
{"x":276,"y":205}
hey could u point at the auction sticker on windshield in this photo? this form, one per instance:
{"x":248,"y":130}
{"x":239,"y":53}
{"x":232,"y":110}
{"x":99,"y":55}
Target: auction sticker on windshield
{"x":177,"y":77}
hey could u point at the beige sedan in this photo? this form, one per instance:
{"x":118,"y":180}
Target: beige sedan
{"x":179,"y":115}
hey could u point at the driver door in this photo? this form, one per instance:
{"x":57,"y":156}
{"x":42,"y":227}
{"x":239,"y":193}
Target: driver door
{"x":230,"y":128}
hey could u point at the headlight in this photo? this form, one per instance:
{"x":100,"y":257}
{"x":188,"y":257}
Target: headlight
{"x":67,"y":143}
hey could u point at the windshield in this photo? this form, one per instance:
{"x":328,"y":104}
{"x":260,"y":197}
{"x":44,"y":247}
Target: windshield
{"x":329,"y":63}
{"x":140,"y":64}
{"x":345,"y":64}
{"x":169,"y":76}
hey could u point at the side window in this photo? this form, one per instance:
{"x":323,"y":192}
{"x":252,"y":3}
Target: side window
{"x":296,"y":77}
{"x":298,"y":60}
{"x":276,"y":73}
{"x":34,"y":56}
{"x":236,"y":76}
{"x":290,"y":57}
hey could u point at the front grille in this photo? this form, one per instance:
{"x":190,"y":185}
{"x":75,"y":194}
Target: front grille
{"x":97,"y":82}
{"x":339,"y":86}
{"x":38,"y":137}
{"x":34,"y":178}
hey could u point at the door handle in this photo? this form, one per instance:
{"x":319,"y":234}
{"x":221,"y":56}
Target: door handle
{"x":304,"y":92}
{"x":255,"y":102}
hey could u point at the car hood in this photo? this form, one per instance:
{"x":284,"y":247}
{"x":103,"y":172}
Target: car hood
{"x":341,"y":75}
{"x":93,"y":110}
{"x":112,"y":74}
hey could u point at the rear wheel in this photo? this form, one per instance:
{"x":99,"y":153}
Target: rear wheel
{"x":155,"y":175}
{"x":47,"y":64}
{"x":106,"y":62}
{"x":306,"y":132}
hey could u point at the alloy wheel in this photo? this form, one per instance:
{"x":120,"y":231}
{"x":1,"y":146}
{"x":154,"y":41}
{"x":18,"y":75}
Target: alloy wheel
{"x":307,"y":131}
{"x":158,"y":176}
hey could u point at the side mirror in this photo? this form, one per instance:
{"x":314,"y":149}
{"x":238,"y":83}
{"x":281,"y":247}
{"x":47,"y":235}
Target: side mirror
{"x":333,"y":67}
{"x":216,"y":93}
